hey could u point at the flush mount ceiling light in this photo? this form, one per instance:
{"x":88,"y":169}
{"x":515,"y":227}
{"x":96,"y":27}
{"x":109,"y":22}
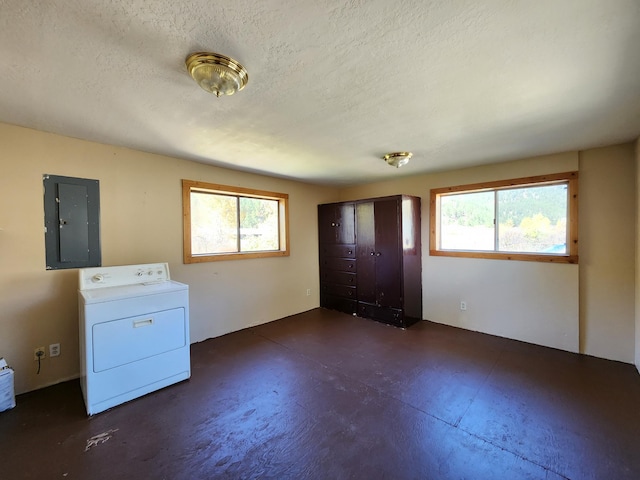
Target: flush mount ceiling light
{"x":397,"y":159}
{"x":217,"y":73}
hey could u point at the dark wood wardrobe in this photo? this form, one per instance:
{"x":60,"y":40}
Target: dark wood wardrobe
{"x":370,"y":258}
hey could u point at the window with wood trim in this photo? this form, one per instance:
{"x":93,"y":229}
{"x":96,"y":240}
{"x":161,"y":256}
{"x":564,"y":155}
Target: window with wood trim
{"x":532,"y":218}
{"x":224,"y":223}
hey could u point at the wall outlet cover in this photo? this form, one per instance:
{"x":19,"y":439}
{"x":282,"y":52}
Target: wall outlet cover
{"x":54,"y":350}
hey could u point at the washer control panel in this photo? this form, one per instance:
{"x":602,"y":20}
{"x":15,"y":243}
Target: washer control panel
{"x":121,"y":275}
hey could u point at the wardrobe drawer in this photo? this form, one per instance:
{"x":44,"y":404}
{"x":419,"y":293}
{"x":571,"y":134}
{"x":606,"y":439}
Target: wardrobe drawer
{"x":339,"y":290}
{"x":341,"y":264}
{"x":392,"y":316}
{"x":341,"y":304}
{"x":344,"y":251}
{"x":341,"y":278}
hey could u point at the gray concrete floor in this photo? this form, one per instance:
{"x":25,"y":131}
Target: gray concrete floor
{"x":323,"y":395}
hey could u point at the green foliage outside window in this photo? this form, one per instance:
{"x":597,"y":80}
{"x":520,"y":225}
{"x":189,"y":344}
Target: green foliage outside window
{"x":222,"y":222}
{"x":225,"y":224}
{"x":530,"y":219}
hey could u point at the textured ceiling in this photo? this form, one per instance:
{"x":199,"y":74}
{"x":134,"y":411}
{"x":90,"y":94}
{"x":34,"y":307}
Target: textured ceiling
{"x":333,"y":85}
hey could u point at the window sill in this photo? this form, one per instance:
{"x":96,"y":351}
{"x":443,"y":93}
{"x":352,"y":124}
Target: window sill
{"x":525,"y":257}
{"x":234,"y":256}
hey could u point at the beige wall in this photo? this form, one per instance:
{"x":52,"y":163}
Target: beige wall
{"x":584,"y":308}
{"x":607,"y":252}
{"x":588,"y":308}
{"x":141,"y":222}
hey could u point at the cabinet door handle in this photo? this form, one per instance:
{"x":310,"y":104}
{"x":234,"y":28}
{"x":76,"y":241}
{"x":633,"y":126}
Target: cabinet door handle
{"x":378,"y":254}
{"x":372,"y":253}
{"x":349,"y":252}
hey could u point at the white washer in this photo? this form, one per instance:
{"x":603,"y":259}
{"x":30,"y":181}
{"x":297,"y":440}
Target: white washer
{"x":134,"y":333}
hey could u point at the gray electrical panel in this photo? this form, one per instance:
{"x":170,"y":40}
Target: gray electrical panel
{"x":72,"y":222}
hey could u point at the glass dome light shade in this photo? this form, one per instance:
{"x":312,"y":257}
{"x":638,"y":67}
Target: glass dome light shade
{"x":217,"y":73}
{"x":397,"y":159}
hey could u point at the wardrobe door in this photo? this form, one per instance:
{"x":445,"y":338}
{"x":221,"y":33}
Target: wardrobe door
{"x":345,"y":223}
{"x":366,"y":251}
{"x":388,"y":263}
{"x":327,"y":224}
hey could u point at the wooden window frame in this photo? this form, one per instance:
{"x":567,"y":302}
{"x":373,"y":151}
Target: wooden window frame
{"x":189,"y":186}
{"x":568,"y":178}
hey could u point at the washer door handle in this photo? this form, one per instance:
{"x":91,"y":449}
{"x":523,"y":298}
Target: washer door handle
{"x":143,"y":323}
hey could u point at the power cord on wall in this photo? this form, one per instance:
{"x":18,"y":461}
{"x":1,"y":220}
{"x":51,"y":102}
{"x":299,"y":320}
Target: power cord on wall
{"x":39,"y":355}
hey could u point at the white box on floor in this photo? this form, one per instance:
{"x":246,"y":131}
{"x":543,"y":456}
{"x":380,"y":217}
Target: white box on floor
{"x":7,"y":396}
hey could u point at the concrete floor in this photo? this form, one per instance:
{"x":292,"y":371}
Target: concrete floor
{"x":323,"y":395}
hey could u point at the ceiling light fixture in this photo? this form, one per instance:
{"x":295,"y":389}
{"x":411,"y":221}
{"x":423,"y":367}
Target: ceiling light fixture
{"x":217,"y":73}
{"x":397,"y":159}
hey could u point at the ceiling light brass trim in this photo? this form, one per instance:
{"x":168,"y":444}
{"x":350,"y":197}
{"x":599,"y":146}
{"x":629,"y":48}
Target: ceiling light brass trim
{"x":195,"y":60}
{"x":397,"y":159}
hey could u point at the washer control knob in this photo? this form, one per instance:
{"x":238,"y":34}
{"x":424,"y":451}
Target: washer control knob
{"x":139,"y":273}
{"x":97,"y":278}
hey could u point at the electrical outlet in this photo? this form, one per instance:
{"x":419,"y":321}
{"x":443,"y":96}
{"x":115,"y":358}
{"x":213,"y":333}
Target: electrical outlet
{"x":463,"y":306}
{"x":54,"y":349}
{"x":308,"y":292}
{"x":38,"y":353}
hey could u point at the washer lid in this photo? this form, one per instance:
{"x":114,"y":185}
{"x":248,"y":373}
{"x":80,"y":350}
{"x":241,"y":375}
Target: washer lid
{"x":109,"y":294}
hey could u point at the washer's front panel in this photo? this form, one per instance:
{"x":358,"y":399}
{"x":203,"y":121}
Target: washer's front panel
{"x":131,"y":339}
